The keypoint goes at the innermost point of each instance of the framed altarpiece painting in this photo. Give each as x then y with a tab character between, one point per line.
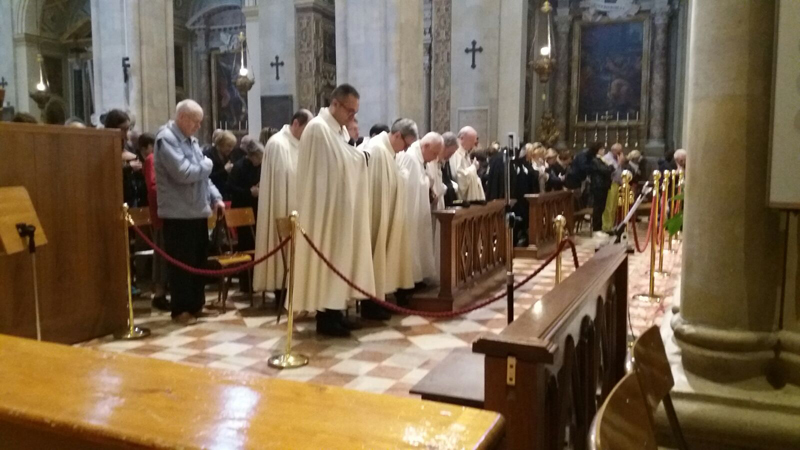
228	106
610	80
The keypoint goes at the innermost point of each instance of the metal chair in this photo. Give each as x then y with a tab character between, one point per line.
652	369
622	422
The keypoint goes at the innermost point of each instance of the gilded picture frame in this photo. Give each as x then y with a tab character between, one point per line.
608	78
228	107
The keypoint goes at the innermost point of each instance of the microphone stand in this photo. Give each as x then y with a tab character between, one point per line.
26	230
511	219
619	231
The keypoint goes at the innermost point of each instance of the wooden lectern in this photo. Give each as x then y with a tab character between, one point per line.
20	228
74	179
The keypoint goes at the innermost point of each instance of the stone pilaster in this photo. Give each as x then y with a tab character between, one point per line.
440	84
513	55
108	49
563	23
203	73
382	45
658	82
253	37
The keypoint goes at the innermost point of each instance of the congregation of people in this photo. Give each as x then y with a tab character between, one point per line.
366	202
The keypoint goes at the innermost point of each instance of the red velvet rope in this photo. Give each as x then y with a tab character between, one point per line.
208	272
649	228
443	314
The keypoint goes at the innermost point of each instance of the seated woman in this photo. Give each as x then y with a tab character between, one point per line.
243	188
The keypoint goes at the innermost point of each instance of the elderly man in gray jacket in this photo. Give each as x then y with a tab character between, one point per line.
186	197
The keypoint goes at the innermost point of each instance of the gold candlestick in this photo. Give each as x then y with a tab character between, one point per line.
575	134
636	128
605	119
596	125
627	128
616	126
585	131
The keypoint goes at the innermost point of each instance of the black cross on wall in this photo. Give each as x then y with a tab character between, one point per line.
473	50
277	65
3	83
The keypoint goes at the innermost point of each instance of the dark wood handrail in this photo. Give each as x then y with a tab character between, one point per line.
563	353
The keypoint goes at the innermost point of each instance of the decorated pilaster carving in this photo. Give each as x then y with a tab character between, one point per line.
563	22
658	81
440	85
315	53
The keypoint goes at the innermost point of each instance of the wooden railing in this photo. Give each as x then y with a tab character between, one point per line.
472	250
542	211
551	368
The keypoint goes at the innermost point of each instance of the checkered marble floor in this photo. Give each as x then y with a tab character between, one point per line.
382	357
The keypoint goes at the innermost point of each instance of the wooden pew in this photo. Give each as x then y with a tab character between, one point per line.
544	371
74	178
472	249
62	397
542	211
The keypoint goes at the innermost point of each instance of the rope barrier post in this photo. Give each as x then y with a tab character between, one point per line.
679	203
651	295
627	200
662	224
132	332
559	224
511	219
289	360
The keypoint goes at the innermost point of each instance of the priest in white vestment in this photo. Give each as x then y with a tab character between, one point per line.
391	256
470	187
439	191
418	203
333	203
276	199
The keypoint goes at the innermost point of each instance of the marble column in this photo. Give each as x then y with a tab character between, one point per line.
203	73
658	83
278	39
152	73
26	73
513	54
563	23
7	71
440	65
733	249
253	36
379	51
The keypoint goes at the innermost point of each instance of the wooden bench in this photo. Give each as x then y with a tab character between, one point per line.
55	396
549	370
542	211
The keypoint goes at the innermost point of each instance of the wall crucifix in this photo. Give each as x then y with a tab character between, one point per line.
277	65
473	50
3	83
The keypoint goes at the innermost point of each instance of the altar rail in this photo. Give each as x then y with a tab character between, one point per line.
549	370
543	209
97	400
472	250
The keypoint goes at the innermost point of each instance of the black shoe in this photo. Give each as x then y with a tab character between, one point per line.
350	324
161	303
403	297
329	324
372	311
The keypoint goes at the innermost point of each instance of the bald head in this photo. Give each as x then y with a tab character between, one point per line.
468	138
188	117
432	146
450	145
680	158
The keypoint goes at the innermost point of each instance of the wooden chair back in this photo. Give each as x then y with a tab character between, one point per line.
622	422
240	217
652	368
141	216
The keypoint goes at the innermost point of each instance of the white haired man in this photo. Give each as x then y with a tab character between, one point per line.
186	197
470	187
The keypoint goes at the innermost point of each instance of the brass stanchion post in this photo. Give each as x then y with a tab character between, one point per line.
626	193
132	332
661	225
289	360
560	223
678	236
651	295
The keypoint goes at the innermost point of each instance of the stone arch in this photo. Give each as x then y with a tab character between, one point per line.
205	8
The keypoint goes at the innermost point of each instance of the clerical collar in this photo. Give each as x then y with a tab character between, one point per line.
330	120
288	132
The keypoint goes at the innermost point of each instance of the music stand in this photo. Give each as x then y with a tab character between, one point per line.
19	226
